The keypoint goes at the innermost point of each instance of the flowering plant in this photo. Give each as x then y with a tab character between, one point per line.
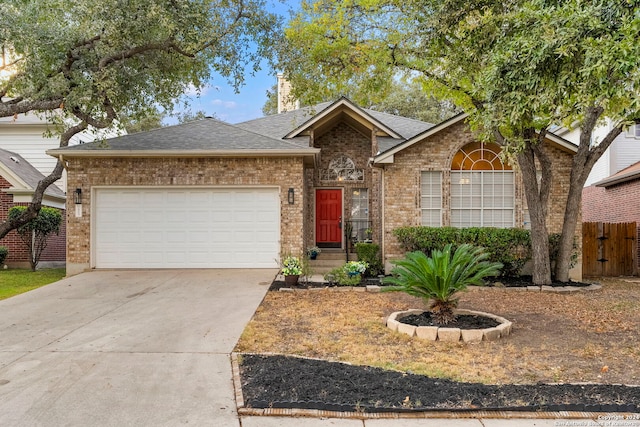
291	266
313	250
356	267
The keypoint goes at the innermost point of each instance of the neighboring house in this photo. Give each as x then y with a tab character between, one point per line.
18	180
25	136
209	194
614	199
623	151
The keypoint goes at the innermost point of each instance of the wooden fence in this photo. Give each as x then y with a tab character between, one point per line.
609	249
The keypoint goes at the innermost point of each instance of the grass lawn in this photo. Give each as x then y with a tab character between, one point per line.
14	282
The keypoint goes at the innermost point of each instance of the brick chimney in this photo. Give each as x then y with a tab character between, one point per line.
285	99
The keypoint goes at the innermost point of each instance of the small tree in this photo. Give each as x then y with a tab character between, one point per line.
439	277
35	234
3	254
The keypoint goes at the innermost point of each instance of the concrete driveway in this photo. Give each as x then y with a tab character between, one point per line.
126	348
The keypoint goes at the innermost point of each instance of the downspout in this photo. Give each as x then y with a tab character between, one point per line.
382	232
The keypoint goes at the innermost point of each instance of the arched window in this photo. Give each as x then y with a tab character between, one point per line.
482	188
342	168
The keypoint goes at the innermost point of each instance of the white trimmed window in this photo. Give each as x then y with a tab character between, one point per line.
482	188
431	198
360	213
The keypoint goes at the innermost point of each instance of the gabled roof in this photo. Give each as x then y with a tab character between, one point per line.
289	125
627	174
343	105
202	138
23	177
387	156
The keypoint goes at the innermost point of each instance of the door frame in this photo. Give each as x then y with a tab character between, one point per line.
315	198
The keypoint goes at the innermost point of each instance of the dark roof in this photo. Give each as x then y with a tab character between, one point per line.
264	134
279	125
200	135
26	172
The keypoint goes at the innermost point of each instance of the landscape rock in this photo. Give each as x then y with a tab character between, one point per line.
449	334
472	335
427	332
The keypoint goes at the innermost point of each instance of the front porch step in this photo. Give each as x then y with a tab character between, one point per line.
327	261
333	254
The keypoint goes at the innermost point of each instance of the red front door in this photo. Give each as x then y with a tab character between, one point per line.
329	218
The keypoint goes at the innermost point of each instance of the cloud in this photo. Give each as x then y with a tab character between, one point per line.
225	104
191	90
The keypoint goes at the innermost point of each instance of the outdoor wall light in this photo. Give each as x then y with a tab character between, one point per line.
77	196
291	197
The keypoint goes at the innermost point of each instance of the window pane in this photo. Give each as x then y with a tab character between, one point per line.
431	198
482	199
360	204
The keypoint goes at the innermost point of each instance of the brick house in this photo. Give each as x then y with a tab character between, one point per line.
18	180
619	193
209	194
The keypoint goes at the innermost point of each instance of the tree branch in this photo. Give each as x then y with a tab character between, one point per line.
165	45
36	202
8	109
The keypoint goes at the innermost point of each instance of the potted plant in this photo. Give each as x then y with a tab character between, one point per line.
291	270
369	233
354	268
313	252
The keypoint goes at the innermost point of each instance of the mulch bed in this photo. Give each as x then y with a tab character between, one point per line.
290	382
508	282
463	321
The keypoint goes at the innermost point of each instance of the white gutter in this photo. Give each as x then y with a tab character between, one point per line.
188	153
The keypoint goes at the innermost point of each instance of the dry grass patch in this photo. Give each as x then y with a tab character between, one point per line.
580	337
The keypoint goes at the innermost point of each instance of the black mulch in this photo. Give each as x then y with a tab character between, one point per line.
515	282
290	382
463	321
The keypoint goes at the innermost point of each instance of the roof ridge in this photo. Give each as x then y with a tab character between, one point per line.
399	116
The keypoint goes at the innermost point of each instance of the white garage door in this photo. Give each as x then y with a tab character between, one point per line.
186	228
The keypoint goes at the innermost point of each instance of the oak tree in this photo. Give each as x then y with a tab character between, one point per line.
82	63
518	68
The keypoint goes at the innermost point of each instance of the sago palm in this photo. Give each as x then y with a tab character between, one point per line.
439	277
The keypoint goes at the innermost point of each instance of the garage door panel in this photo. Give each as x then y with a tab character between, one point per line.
186	228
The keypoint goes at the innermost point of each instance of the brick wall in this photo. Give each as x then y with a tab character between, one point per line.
618	203
342	139
402	184
87	173
18	254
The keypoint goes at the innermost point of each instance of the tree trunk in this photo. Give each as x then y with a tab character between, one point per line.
582	165
537	195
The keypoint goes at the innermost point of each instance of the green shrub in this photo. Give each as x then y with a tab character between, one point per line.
35	233
509	246
438	278
3	254
340	275
370	253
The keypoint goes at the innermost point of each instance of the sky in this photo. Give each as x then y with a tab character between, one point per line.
219	99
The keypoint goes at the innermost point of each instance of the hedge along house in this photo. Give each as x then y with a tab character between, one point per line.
207	194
